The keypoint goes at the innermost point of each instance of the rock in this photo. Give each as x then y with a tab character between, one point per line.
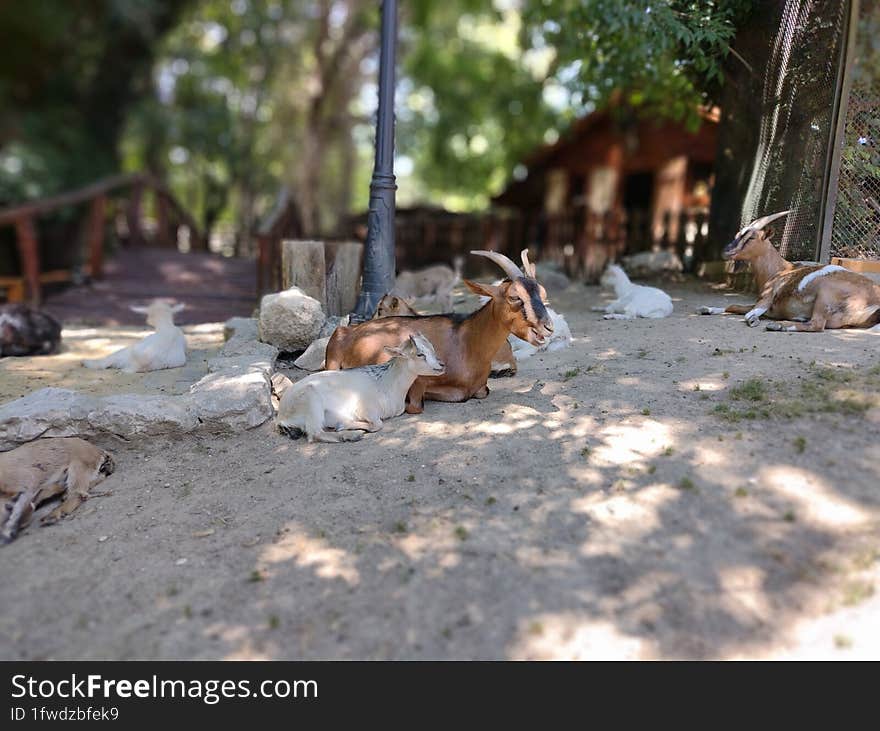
244	327
290	320
313	358
330	324
236	394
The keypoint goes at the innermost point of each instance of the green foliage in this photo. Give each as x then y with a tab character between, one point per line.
664	56
68	75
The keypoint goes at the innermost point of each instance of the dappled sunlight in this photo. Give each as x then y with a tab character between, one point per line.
744	585
633	514
571	636
295	546
815	500
622	444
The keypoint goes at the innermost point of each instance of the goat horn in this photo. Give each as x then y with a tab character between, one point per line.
510	269
528	267
760	223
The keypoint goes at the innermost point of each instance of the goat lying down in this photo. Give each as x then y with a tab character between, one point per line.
521	349
503	362
27	331
466	344
64	468
165	348
633	300
431	285
357	400
803	298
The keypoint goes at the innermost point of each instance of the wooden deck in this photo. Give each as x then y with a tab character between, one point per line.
214	288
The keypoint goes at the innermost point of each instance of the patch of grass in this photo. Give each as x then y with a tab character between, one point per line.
800	444
652	468
725	375
686	483
789	516
256	576
642	353
461	533
410	478
668	452
741	492
490	500
586	452
753	389
569	374
856	592
274	622
188	612
823	390
842	642
536	628
696	387
400	527
646	412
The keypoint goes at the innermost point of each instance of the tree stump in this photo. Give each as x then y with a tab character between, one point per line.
302	265
343	260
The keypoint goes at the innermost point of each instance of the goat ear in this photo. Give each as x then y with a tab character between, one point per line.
393	351
487	290
139	310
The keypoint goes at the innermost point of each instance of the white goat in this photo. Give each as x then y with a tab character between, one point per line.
432	285
633	300
165	348
355	400
561	338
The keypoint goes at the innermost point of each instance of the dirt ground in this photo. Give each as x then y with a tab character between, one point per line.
639	495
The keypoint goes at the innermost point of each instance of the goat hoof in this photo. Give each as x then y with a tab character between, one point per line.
775	326
705	310
753	321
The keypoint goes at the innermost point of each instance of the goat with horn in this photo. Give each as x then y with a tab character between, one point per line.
466	344
799	298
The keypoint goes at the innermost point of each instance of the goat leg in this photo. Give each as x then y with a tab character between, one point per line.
729	310
20	508
415	397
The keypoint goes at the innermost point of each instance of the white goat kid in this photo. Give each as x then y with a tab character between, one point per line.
633	300
165	348
559	339
355	400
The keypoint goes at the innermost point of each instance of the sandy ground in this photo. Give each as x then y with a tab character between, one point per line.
19	376
610	501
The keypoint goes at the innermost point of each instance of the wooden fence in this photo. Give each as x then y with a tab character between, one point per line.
96	198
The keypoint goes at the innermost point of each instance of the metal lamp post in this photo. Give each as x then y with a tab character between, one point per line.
379	260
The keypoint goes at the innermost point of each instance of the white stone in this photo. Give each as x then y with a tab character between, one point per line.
236	394
290	320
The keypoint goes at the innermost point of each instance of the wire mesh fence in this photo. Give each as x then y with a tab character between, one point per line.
855	232
779	121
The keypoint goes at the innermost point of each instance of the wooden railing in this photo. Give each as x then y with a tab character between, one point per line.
170	216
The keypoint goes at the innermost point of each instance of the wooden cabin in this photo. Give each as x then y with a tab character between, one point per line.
612	186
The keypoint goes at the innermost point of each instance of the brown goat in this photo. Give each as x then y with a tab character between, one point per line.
814	297
503	362
466	344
